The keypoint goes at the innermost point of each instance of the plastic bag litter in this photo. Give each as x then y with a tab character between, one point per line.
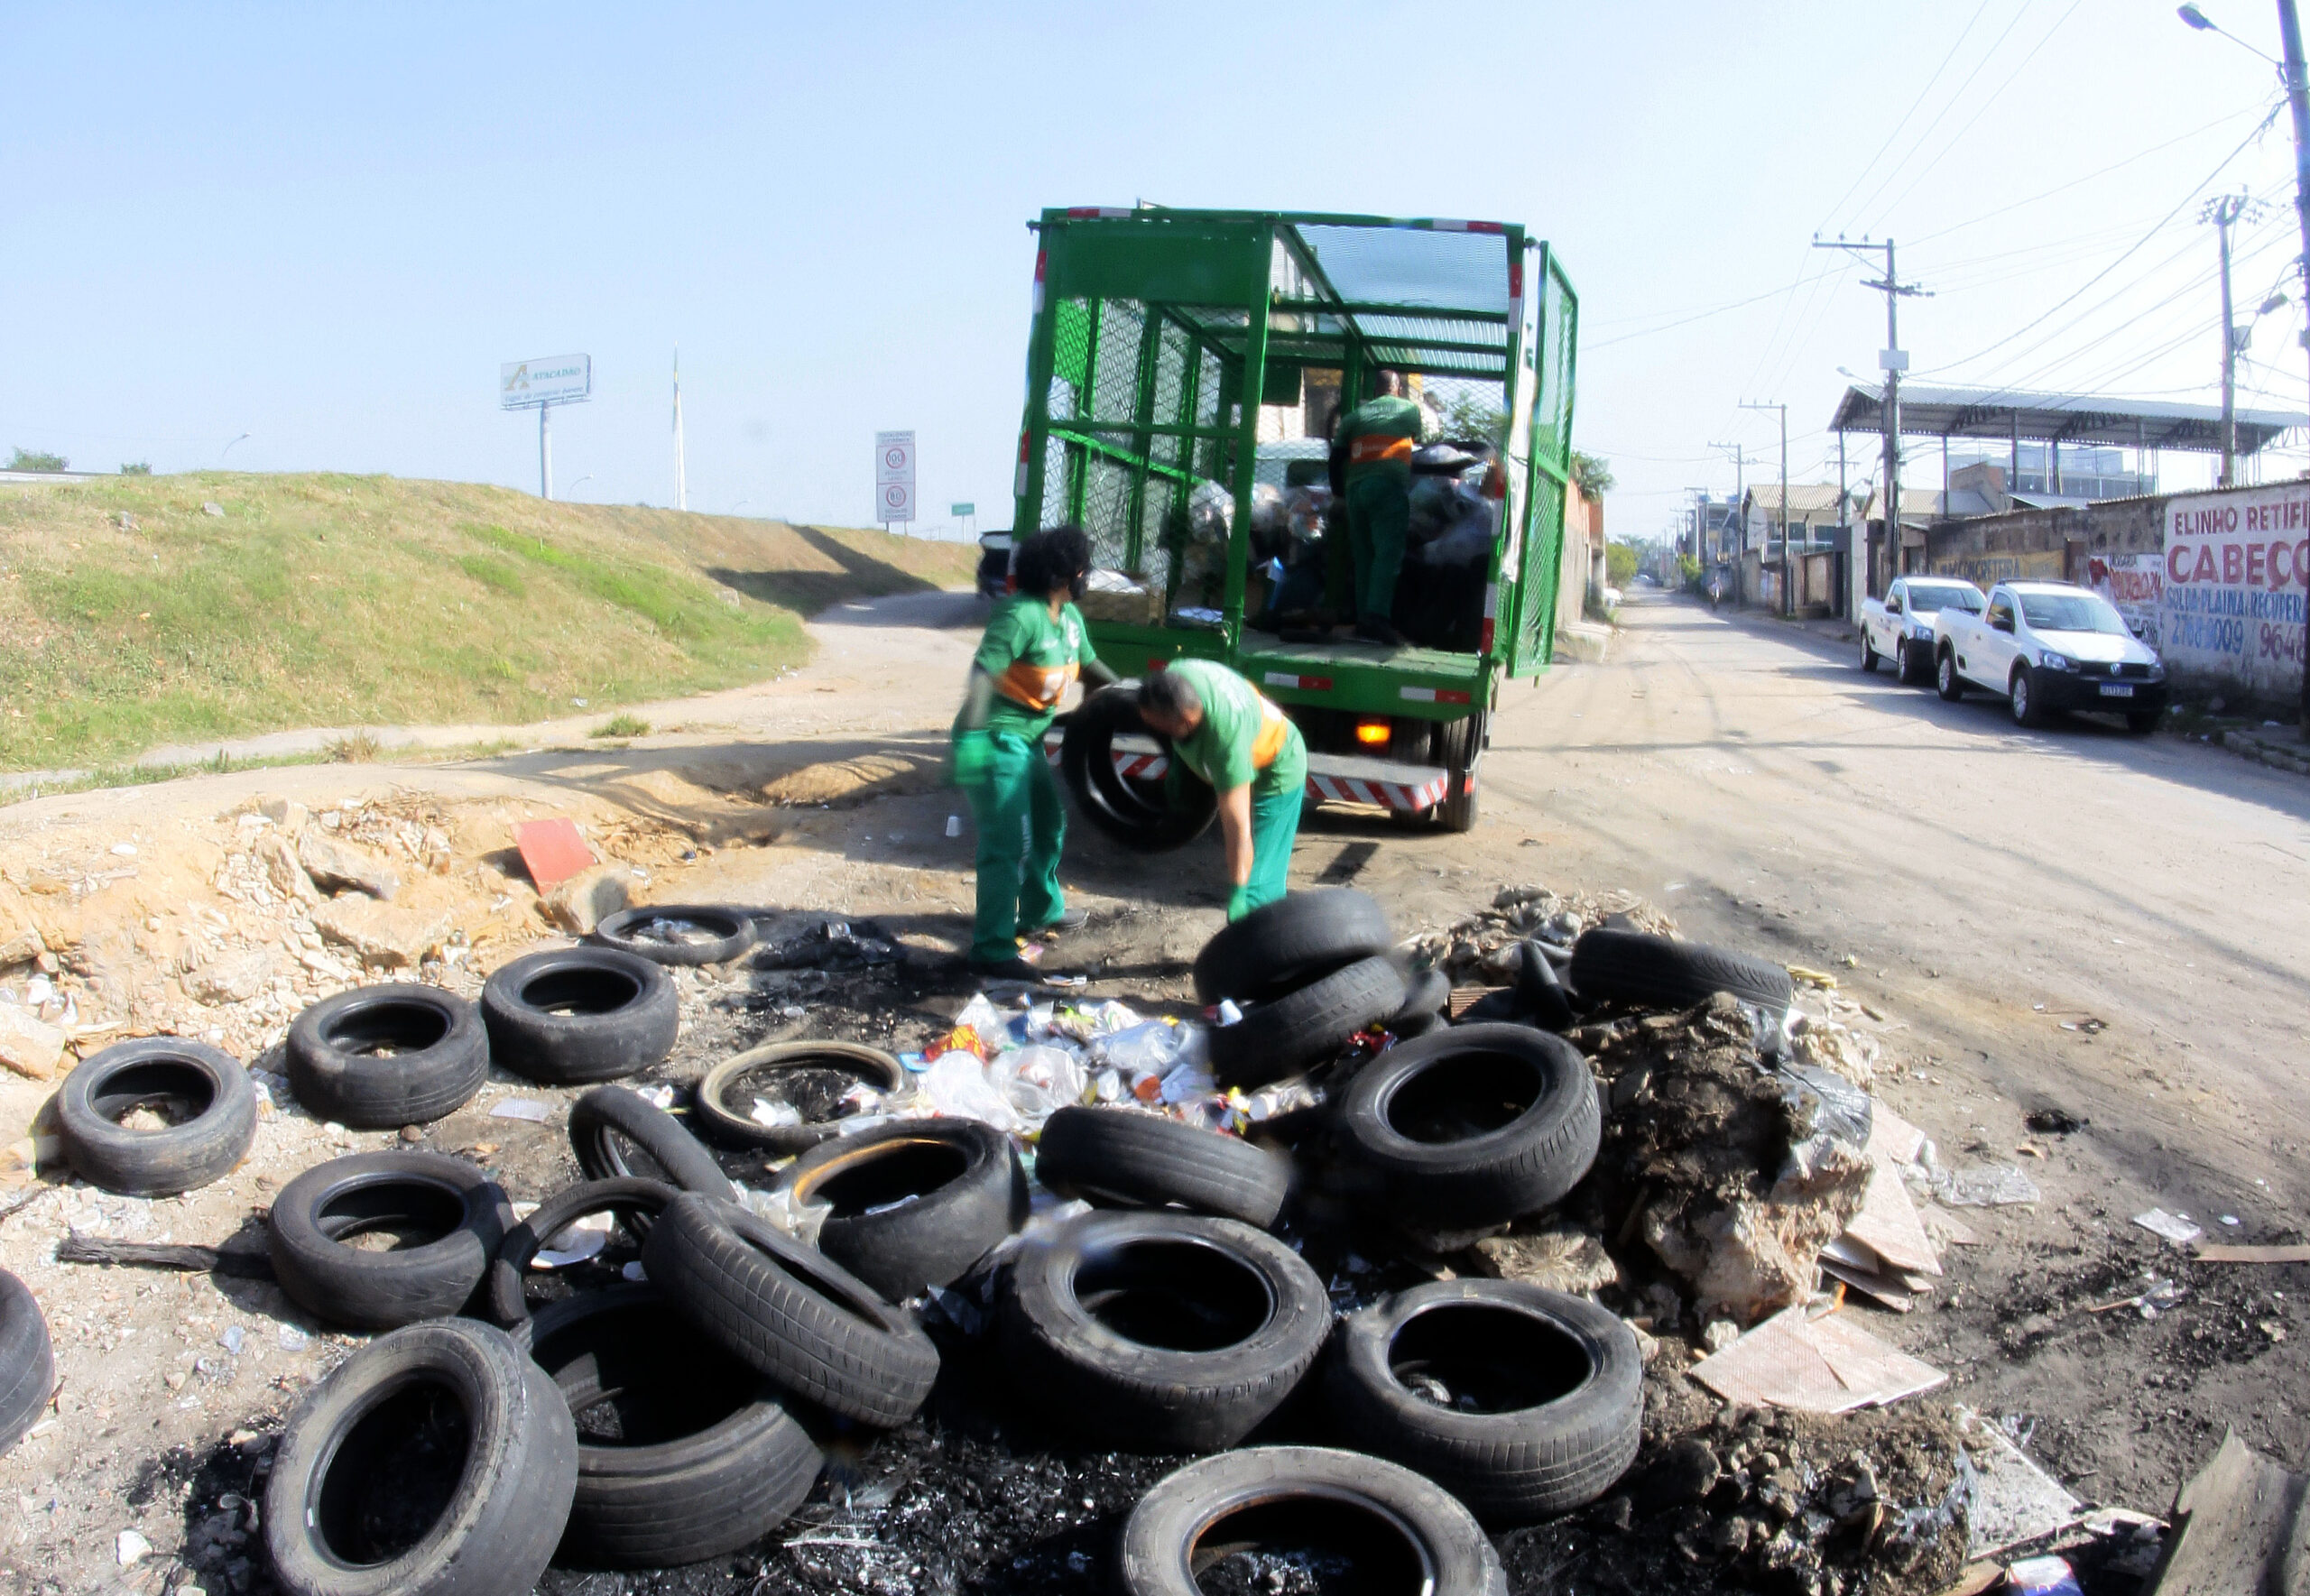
956	1083
1086	1022
1841	1114
1153	1047
1038	1081
1986	1186
2176	1228
774	1116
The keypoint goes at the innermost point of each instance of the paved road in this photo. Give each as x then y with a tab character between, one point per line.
1751	778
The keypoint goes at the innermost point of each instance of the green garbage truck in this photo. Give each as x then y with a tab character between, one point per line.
1185	372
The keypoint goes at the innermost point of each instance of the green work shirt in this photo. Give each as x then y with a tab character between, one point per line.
1381	434
1243	739
1032	657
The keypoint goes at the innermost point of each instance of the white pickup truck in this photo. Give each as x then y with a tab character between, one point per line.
2049	647
1899	626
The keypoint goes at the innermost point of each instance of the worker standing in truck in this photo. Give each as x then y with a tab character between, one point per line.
1034	648
1378	436
1223	730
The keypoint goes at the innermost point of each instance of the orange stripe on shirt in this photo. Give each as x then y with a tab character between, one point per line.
1270	741
1037	686
1370	449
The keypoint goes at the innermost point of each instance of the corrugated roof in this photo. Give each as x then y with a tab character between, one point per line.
2007	413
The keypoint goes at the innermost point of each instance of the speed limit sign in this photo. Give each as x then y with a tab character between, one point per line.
893	477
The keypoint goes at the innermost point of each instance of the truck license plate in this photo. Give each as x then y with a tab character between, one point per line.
2116	690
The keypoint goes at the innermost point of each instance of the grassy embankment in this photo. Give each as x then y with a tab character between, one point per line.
325	600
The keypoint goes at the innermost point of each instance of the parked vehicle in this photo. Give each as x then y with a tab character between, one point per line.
1899	626
994	566
2050	647
1183	368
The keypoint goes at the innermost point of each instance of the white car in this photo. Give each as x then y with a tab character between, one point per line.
1899	626
2049	647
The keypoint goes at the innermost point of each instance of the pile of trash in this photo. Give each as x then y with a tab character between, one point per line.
1484	949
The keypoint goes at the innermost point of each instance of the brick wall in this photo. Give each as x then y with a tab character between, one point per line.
2040	543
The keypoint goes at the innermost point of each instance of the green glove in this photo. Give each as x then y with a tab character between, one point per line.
974	759
1239	904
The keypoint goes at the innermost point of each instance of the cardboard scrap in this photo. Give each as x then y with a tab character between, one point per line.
2237	1526
552	851
2222	1252
2014	1501
1824	1365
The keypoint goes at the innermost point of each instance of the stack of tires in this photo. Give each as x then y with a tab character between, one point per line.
1308	974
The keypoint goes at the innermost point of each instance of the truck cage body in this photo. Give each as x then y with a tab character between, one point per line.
1179	354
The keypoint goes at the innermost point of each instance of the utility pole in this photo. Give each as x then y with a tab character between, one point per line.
1788	600
1893	360
545	453
2225	211
1740	481
2297	95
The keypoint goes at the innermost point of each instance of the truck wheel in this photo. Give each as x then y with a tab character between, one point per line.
1460	744
1867	654
1947	682
2027	708
1914	667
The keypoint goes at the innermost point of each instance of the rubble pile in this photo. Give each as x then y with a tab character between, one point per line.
1481	949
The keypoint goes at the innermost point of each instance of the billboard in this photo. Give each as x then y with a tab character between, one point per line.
893	477
2234	575
563	379
2135	586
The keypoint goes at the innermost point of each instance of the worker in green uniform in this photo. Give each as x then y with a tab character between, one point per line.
1035	646
1224	730
1378	436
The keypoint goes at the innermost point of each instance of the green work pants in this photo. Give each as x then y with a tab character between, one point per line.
1275	825
1021	826
1379	515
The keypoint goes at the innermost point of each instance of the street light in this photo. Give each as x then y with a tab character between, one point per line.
581	481
228	448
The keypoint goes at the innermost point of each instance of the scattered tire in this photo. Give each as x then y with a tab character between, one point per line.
1383	1526
437	1461
207	1095
1299	1029
1473	1126
1660	972
27	1360
1426	993
816	1330
844	1063
683	1452
708	935
378	1057
1287	944
1123	1157
577	1014
1534	1400
617	1133
1415	1022
449	1216
913	1204
628	1197
1161	1332
1539	991
1138	816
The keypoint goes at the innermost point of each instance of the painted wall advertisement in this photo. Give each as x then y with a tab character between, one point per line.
2234	575
2135	586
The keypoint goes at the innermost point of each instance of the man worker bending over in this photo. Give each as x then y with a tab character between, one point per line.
1378	436
1224	730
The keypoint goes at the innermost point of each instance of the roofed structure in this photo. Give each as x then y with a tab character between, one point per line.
2010	416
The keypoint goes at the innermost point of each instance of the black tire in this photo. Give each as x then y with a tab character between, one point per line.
617	1133
1396	1530
816	1330
1869	655
1556	1385
1460	744
1134	817
1915	663
461	1212
27	1361
1660	972
730	933
1415	1022
2022	698
573	1015
1945	679
1160	1332
212	1090
1425	992
717	1119
362	1460
2141	722
379	1057
1125	1158
1287	944
705	1460
628	1197
1539	991
1473	1126
913	1204
1302	1029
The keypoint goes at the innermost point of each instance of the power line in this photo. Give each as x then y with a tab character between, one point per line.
1948	106
1862	176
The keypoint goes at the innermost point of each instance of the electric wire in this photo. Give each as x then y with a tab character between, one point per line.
1948	106
1862	176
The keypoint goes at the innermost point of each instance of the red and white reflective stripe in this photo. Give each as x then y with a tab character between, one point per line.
1304	684
1381	795
1516	293
1105	212
1443	224
1041	258
1433	696
1019	480
1491	613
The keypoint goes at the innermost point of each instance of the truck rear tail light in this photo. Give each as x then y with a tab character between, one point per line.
1371	733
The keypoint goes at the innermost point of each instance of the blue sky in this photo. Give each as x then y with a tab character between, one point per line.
325	227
